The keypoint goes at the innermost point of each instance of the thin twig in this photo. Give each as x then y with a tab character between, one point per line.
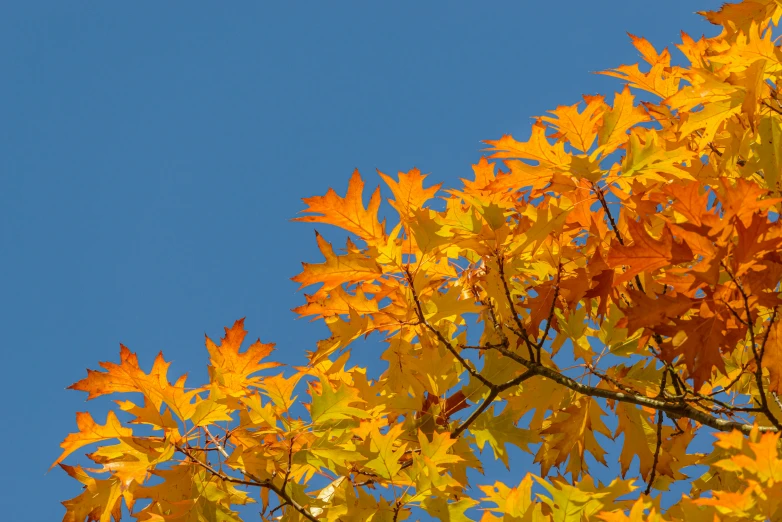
220	447
675	407
678	384
521	332
656	451
594	371
422	319
290	464
397	509
732	383
489	400
775	109
604	204
268	484
756	351
549	320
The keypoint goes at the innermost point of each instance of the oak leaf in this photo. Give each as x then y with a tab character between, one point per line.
577	128
232	369
91	432
352	267
348	212
621	267
618	120
101	500
646	253
409	192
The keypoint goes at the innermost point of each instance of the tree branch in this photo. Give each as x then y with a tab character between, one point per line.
757	352
678	384
268	484
422	319
656	451
659	437
216	442
539	344
489	400
677	407
521	332
604	204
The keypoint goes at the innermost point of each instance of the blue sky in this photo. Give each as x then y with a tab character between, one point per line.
152	154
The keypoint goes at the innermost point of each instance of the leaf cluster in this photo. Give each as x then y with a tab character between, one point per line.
624	261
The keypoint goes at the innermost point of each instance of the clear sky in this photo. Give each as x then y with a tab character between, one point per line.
152	154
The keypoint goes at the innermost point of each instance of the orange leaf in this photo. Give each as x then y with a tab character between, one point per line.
772	357
350	268
126	377
409	192
336	302
660	80
649	53
743	199
100	500
537	149
688	200
617	121
578	129
231	368
648	313
348	212
91	432
484	177
646	254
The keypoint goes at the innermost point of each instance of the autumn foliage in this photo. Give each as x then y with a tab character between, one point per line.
621	267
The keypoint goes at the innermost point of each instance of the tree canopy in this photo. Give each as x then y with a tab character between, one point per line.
621	267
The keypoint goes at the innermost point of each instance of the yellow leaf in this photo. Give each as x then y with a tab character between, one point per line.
511	502
570	434
280	390
710	117
209	412
331	404
439	450
448	511
584	499
386	463
498	430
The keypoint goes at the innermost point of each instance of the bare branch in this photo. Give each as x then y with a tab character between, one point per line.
422	319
